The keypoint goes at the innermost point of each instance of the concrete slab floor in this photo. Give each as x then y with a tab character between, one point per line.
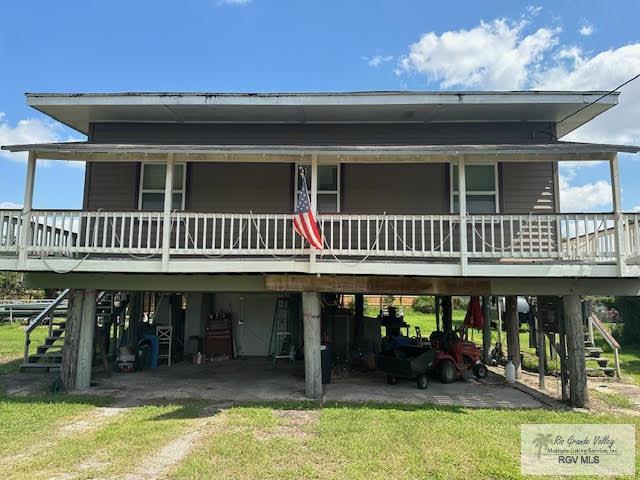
257	380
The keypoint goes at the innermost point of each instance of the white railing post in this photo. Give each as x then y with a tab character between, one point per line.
314	206
166	220
618	217
462	203
25	224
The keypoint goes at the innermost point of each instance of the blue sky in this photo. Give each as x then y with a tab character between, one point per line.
260	45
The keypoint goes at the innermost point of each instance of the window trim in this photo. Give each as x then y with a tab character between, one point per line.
495	192
182	191
337	192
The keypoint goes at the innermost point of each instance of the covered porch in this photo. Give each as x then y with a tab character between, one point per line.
448	243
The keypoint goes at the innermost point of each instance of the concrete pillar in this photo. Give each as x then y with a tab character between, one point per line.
85	346
574	331
512	324
312	339
486	330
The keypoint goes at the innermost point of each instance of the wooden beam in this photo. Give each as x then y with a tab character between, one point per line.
486	330
166	221
376	284
311	307
578	392
69	364
619	223
25	226
85	343
512	324
462	203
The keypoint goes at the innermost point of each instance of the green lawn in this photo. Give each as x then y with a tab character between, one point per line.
23	418
12	345
370	442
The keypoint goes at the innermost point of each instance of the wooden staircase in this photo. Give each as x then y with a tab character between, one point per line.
48	356
596	364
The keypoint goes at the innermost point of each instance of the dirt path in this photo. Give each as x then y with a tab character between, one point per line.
90	420
158	464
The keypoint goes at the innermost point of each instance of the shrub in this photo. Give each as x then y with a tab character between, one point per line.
424	304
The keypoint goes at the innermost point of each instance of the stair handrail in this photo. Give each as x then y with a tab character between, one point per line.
613	343
38	319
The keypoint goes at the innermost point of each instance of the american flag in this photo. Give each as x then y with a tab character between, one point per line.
304	222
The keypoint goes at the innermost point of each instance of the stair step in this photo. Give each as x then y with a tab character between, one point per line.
40	366
593	351
600	360
588	343
48	348
609	371
52	355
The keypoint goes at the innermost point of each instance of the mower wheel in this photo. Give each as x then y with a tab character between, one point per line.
447	371
423	381
392	380
480	370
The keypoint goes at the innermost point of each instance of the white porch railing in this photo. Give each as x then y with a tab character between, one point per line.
584	238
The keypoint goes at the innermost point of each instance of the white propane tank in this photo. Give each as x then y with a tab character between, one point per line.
510	372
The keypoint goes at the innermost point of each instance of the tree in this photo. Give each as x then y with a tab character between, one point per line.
12	286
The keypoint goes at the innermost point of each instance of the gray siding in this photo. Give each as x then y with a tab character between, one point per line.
410	188
320	134
528	188
111	186
240	188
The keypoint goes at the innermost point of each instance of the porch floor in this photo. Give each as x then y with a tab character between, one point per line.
257	380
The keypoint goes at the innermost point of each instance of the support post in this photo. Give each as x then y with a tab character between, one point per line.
166	220
578	393
462	203
542	351
513	332
562	352
447	314
85	346
25	225
312	339
486	330
314	206
618	216
71	339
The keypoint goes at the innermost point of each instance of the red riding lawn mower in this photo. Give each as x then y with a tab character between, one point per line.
454	357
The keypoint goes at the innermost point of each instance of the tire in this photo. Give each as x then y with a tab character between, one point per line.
480	370
391	380
422	381
447	371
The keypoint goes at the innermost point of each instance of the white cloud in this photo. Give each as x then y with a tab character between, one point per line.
501	55
9	205
586	29
603	71
240	3
589	197
533	10
494	55
377	60
31	130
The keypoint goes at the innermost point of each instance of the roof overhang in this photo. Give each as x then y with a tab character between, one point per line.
78	110
95	152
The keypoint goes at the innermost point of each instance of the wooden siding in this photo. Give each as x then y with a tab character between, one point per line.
528	188
240	188
111	186
320	134
410	188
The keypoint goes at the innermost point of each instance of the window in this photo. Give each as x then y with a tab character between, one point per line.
152	178
328	186
481	184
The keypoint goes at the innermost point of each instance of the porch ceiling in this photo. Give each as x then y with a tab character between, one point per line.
96	152
78	110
